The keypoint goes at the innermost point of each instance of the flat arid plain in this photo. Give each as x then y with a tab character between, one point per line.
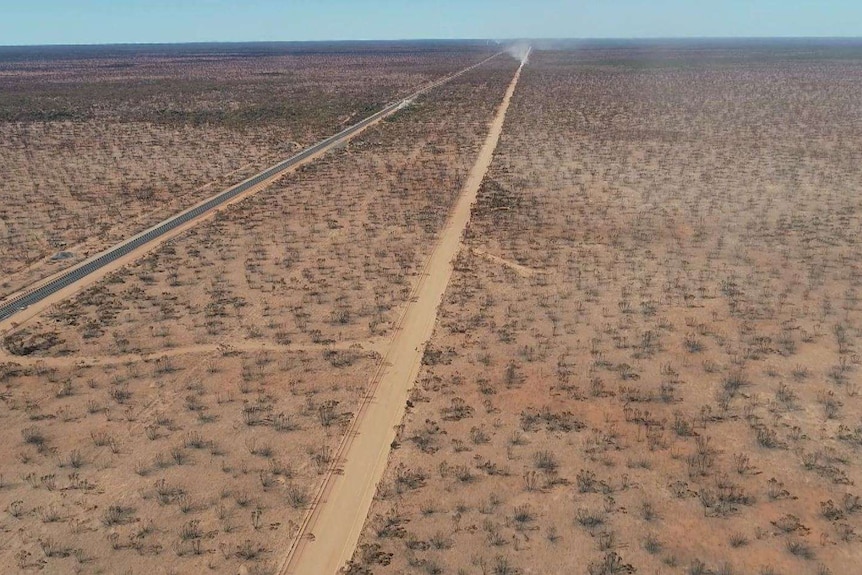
579	308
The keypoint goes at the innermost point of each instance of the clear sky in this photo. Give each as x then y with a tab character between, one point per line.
118	21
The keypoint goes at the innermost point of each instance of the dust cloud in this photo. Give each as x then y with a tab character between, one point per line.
519	51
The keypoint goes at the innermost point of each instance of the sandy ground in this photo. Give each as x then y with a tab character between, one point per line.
234	346
521	270
678	391
328	536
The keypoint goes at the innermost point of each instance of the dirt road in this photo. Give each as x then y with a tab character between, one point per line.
519	269
329	534
230	346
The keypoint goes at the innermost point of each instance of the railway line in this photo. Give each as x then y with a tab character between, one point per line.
151	237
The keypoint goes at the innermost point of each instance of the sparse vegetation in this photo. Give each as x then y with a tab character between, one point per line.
239	351
655	324
646	359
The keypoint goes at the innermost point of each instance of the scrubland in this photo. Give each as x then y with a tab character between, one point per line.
647	359
176	416
103	142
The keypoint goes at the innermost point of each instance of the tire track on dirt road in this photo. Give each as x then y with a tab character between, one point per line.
227	347
328	535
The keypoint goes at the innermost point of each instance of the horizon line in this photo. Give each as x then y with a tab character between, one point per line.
395	40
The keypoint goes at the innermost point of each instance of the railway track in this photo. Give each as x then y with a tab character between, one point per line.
33	295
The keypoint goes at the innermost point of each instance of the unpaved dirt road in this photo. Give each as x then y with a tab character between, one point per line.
226	348
330	531
519	269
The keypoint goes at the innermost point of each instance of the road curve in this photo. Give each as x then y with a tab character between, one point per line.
330	531
149	238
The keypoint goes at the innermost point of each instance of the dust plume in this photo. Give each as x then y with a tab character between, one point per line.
519	51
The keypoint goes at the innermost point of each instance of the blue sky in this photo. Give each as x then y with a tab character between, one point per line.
108	21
